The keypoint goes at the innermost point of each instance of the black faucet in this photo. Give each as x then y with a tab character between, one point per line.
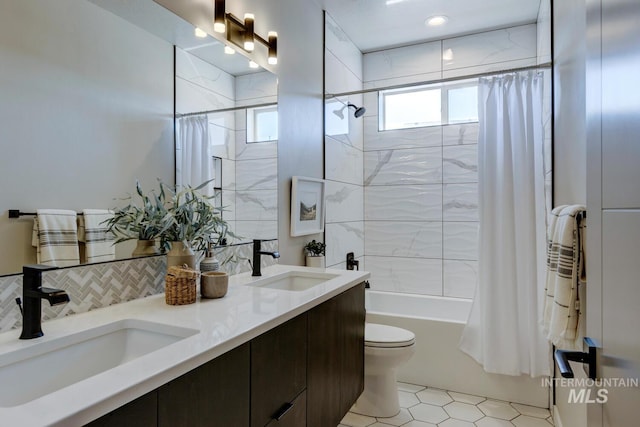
256	257
32	293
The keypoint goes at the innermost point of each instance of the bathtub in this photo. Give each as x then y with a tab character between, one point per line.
437	323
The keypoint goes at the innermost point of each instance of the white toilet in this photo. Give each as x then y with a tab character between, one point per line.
385	349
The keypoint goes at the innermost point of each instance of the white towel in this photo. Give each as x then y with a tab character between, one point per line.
93	231
565	272
55	236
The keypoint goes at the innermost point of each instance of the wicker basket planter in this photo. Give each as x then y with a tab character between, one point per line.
180	285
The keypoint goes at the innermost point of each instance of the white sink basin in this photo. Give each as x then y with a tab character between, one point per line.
293	281
32	372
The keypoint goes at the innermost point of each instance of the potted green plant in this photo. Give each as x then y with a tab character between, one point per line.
145	221
193	223
315	253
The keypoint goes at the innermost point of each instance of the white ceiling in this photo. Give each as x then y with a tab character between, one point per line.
157	20
377	24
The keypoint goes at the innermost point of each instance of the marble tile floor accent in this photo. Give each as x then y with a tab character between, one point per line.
429	407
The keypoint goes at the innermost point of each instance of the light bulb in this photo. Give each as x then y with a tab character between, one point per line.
200	33
249	44
273	48
435	21
219	25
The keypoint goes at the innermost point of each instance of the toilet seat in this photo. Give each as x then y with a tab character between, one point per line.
384	336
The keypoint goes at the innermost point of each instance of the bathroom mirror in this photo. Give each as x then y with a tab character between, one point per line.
87	109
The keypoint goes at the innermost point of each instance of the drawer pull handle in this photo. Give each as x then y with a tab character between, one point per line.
282	411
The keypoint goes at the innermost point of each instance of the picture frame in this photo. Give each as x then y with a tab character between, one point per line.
307	205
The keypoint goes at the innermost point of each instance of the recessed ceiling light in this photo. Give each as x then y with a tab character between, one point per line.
229	50
437	20
200	33
253	64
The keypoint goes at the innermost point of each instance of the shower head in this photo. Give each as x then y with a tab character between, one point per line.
359	110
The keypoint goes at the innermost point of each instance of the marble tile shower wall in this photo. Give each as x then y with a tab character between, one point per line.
256	196
202	87
101	285
420	185
249	170
344	226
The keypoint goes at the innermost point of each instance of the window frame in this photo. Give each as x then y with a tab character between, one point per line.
444	102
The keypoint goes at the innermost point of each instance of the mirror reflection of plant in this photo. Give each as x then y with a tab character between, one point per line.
144	222
193	218
186	216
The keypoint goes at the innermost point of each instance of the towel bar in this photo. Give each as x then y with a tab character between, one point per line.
562	358
15	213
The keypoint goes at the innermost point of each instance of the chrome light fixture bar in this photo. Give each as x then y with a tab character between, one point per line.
241	33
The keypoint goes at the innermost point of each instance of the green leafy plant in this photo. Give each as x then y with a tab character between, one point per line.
193	218
314	248
186	216
145	220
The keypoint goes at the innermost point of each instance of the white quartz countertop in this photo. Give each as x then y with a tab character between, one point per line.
221	325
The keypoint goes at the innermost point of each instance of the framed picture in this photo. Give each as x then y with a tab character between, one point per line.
307	206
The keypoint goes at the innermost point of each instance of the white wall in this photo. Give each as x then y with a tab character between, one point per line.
569	55
86	109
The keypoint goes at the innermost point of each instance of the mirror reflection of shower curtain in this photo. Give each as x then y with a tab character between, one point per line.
503	332
195	164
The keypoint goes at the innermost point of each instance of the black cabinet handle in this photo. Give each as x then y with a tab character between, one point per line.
282	411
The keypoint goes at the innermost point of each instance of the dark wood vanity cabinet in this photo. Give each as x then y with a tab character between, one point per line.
307	371
278	372
335	376
215	394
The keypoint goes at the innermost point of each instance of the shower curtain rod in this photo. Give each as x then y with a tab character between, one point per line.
445	80
224	110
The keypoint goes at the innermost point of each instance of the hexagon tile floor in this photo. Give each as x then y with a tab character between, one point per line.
430	407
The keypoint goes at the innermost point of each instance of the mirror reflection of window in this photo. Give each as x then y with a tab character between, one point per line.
262	124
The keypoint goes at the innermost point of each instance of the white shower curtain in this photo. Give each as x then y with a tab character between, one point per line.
195	162
503	332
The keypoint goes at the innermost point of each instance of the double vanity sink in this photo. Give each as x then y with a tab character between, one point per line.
91	363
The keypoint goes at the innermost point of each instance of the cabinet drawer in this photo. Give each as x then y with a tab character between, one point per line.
278	368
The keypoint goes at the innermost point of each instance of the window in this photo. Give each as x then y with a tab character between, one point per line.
262	124
428	105
410	108
462	104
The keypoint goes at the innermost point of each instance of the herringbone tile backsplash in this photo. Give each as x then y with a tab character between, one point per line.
100	285
89	287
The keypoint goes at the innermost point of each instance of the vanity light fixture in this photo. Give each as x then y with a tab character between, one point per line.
219	21
249	43
200	33
273	47
229	50
241	33
436	21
